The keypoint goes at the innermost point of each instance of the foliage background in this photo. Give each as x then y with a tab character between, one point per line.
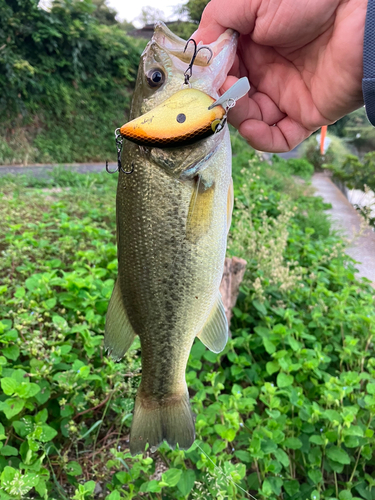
65	81
66	78
285	412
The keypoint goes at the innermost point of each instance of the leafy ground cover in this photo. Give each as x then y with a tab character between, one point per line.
285	412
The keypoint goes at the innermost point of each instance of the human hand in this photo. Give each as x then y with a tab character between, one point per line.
303	59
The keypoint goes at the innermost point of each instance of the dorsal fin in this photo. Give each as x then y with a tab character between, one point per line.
214	334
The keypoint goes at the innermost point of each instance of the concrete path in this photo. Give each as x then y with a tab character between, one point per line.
345	219
294	153
42	170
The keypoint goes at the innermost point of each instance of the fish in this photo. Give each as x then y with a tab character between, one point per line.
172	214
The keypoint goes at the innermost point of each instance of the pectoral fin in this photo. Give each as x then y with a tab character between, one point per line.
119	334
200	210
215	332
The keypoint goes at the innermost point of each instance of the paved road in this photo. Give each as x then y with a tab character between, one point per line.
346	220
42	170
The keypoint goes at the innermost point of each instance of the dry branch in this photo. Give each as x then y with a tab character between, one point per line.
234	270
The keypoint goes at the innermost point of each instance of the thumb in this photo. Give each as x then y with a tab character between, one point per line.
217	17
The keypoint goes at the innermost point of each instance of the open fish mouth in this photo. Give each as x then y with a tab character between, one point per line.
175	122
164	62
210	66
179	111
177	46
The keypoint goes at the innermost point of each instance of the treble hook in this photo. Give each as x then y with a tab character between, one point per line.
189	72
119	140
117	169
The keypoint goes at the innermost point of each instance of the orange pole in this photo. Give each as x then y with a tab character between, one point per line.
323	134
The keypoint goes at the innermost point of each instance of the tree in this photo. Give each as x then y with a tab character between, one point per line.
150	15
194	9
126	26
103	13
192	12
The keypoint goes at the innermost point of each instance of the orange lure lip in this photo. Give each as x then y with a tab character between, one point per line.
180	120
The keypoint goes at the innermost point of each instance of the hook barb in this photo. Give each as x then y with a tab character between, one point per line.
108	170
209	50
128	172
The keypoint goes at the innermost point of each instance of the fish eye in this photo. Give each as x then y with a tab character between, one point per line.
155	77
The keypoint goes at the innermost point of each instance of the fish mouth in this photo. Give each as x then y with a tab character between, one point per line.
210	66
175	45
163	114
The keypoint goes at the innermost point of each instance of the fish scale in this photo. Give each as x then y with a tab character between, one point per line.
172	222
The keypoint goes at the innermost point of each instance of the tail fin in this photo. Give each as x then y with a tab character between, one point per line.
170	419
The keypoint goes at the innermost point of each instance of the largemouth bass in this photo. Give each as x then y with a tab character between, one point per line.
173	215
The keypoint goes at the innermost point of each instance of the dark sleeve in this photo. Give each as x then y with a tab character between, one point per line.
368	82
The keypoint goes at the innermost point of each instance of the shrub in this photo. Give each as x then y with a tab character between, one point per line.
356	174
294	166
64	82
336	152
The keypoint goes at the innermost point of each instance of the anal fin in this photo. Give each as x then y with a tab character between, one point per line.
214	334
119	333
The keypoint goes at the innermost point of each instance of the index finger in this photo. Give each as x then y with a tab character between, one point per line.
217	17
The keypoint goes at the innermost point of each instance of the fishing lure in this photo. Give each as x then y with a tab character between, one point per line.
186	117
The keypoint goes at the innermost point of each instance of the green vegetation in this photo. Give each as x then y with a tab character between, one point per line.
335	155
64	81
357	130
192	10
66	78
356	174
286	411
294	166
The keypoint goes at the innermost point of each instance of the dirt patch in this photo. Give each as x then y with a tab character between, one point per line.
53	190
